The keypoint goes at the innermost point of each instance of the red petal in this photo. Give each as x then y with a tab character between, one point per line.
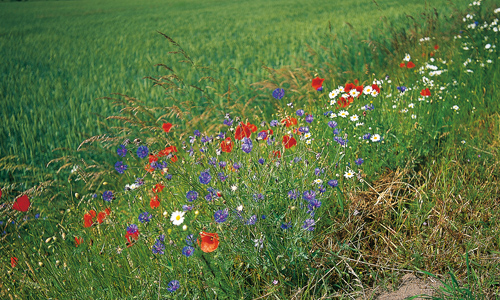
13	261
402	65
167	127
317	83
22	203
410	65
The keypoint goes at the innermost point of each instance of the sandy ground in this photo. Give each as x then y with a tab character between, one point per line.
410	286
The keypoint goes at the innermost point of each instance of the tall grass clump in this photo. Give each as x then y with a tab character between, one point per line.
346	183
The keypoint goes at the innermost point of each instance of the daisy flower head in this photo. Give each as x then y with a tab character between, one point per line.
309	142
354	118
407	57
354	93
368	90
318	181
307	135
177	217
375	138
349	174
374	93
333	94
455	107
413	116
343	113
333	115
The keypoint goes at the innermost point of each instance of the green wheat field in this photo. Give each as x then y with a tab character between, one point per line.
248	149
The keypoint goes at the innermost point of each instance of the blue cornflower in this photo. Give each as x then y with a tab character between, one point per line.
309	224
264	217
222	164
228	122
278	93
190	240
309	195
304	129
318	171
107	196
161	237
122	151
341	141
197	133
37	216
333	183
262	135
313	204
220	216
221	135
206	139
173	286
367	136
222	177
369	107
212	161
139	181
293	194
258	197
273	123
208	197
120	167
94	196
300	112
336	131
205	177
332	124
187	207
321	189
359	161
187	251
286	226
145	217
402	89
252	220
191	196
247	145
309	118
327	113
132	229
237	166
297	159
261	161
168	176
158	248
192	139
142	151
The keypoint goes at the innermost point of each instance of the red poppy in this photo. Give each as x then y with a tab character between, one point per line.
317	83
348	87
167	151
410	65
436	47
152	158
158	188
359	88
148	168
78	241
425	92
277	153
226	145
402	65
174	158
209	241
13	261
166	127
252	127
22	203
289	121
155	202
107	211
356	81
345	102
431	54
92	213
375	87
87	220
131	238
101	216
0	193
242	131
289	142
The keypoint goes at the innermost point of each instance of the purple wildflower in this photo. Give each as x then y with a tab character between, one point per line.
293	194
220	216
205	177
309	195
173	286
222	164
187	251
120	167
252	220
286	226
300	112
145	217
132	229
273	123
247	145
261	161
332	124
309	224
158	248
122	151
333	183
107	196
309	118
278	94
228	122
142	151
197	133
187	207
359	161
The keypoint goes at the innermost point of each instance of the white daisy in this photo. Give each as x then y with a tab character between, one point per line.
333	115
354	93
333	94
177	217
455	107
309	142
332	102
367	90
375	138
360	124
413	116
343	113
354	118
318	181
374	93
407	57
307	135
349	174
411	105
